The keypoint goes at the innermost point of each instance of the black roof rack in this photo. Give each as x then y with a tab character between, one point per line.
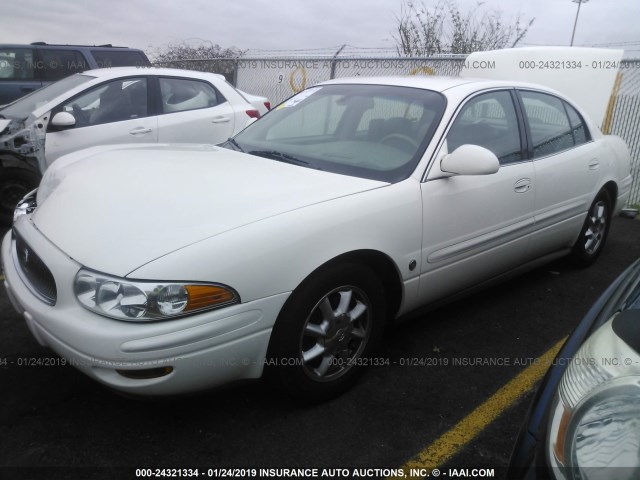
106	45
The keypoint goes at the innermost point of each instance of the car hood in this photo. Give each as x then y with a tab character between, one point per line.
116	209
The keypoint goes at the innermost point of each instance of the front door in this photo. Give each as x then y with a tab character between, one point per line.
477	226
110	113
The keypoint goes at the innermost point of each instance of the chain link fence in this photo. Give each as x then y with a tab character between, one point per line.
279	78
625	121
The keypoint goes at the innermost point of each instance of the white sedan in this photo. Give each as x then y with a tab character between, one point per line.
161	269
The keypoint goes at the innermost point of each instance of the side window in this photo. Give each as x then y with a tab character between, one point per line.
115	101
580	133
179	95
17	64
488	120
119	58
61	63
550	128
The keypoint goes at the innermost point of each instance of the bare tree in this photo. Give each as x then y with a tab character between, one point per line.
443	28
203	56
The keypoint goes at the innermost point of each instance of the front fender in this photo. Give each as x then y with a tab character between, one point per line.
276	254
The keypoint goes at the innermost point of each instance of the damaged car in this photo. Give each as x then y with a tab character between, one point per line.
115	106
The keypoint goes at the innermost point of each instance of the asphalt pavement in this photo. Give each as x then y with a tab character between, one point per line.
57	423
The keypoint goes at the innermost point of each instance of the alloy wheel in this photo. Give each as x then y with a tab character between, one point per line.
336	333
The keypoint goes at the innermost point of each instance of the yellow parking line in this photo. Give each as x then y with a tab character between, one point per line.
449	444
1	277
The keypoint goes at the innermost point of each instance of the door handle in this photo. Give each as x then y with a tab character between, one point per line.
220	119
139	131
27	89
523	185
594	164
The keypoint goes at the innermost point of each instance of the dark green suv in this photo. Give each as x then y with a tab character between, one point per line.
25	68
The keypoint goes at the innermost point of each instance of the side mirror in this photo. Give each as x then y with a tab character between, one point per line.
470	160
63	120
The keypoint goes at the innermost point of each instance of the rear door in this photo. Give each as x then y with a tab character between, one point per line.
567	165
193	111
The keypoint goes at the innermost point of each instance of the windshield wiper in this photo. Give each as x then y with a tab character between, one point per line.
235	144
279	156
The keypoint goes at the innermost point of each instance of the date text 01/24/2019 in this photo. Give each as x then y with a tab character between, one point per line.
575	65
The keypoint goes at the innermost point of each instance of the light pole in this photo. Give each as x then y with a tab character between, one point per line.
579	2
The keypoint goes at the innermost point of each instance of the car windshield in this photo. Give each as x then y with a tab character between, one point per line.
22	108
370	131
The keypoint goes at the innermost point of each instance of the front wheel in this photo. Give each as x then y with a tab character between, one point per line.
327	329
594	231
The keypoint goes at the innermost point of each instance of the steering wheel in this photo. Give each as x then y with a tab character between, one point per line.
400	141
79	114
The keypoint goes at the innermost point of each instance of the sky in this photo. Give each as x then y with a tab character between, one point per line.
290	25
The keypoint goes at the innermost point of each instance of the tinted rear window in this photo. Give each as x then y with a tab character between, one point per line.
119	58
61	63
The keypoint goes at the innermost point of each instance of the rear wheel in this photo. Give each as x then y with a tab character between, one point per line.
15	183
325	332
594	231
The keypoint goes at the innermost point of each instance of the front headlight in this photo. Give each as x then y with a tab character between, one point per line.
26	205
140	301
594	429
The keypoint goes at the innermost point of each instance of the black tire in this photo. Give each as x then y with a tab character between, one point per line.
594	232
15	183
317	352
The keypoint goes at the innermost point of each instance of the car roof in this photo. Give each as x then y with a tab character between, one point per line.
114	72
62	46
436	83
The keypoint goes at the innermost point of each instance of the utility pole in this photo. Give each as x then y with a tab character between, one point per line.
579	2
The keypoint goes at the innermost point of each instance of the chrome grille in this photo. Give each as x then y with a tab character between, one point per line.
34	272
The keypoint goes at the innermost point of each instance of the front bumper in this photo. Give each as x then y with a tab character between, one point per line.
203	351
